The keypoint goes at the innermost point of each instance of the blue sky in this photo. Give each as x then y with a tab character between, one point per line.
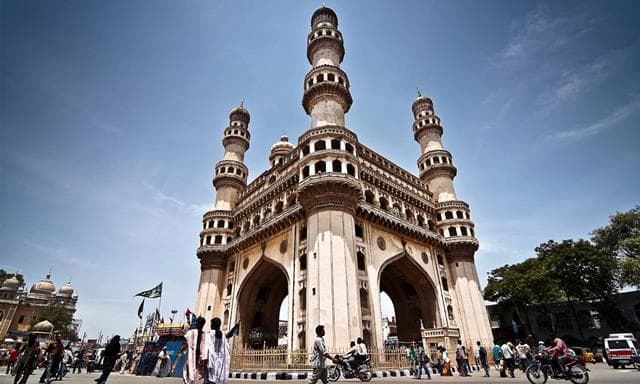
112	115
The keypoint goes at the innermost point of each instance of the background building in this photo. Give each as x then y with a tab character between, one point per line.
332	224
577	323
19	306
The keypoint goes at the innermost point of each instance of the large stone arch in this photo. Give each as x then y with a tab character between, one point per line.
413	294
258	304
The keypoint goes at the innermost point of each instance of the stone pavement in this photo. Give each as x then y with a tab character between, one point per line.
599	373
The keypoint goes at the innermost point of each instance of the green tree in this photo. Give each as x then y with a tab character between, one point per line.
60	318
522	285
4	276
621	238
584	273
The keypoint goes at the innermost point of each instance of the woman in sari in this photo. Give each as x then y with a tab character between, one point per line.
219	358
446	363
197	354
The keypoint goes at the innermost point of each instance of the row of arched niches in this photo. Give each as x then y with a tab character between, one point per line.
327	150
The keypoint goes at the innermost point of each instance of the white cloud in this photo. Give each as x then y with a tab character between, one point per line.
612	119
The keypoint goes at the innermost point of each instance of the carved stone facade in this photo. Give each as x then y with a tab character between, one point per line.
19	306
332	224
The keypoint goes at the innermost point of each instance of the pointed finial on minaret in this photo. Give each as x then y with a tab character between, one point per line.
242	102
49	274
418	89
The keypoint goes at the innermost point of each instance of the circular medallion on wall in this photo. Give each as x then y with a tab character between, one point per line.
283	246
245	263
381	243
409	249
425	257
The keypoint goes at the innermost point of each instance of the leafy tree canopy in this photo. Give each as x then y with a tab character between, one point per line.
4	276
621	238
582	270
522	284
60	318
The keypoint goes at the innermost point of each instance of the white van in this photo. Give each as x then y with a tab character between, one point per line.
621	349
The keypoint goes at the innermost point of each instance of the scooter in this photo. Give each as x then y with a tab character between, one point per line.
362	371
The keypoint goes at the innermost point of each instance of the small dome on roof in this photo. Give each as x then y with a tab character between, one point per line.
420	102
11	283
66	290
324	14
43	286
42	327
282	144
240	113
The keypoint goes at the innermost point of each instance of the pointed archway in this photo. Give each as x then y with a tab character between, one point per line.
413	296
259	302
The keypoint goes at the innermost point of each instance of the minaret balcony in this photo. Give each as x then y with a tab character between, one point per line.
335	43
326	90
330	190
236	135
438	170
323	32
426	129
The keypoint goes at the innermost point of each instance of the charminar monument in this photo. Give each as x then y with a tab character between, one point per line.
332	224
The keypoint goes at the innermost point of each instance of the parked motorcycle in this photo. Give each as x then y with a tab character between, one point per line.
544	366
362	371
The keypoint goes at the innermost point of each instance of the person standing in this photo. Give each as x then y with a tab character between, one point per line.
318	358
111	353
524	350
163	363
219	357
197	353
482	359
412	360
13	357
460	357
27	360
77	361
446	363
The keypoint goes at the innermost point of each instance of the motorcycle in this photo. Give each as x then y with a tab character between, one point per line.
544	366
362	371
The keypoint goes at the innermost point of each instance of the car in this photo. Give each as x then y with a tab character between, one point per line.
621	349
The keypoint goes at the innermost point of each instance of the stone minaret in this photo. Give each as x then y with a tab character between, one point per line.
454	223
329	190
229	180
326	87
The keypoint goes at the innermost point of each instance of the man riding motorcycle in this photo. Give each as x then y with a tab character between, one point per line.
561	352
349	358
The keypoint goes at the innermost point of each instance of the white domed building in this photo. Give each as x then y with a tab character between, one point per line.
19	305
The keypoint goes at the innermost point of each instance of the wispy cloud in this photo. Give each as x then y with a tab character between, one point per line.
186	207
539	31
616	116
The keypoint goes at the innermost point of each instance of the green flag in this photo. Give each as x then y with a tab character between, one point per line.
140	309
152	293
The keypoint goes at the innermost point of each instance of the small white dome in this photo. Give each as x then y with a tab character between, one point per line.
44	286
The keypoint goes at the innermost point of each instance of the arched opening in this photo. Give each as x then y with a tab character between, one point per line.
278	208
365	308
335	144
452	231
305	171
448	215
305	150
421	220
225	318
320	167
302	300
445	285
259	303
291	200
351	170
431	225
369	197
336	166
348	147
359	231
384	203
361	261
319	145
412	295
302	339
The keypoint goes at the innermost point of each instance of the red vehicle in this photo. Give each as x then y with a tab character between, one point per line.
621	349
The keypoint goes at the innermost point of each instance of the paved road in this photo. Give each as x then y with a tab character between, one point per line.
599	374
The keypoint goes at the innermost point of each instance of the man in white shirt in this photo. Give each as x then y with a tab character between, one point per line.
508	356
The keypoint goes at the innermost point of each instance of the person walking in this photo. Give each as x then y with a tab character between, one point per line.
219	357
482	359
13	357
524	351
318	358
163	363
460	357
111	353
421	359
508	356
446	363
27	360
496	351
55	353
77	361
197	353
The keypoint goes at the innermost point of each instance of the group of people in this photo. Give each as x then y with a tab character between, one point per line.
418	361
509	356
208	356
